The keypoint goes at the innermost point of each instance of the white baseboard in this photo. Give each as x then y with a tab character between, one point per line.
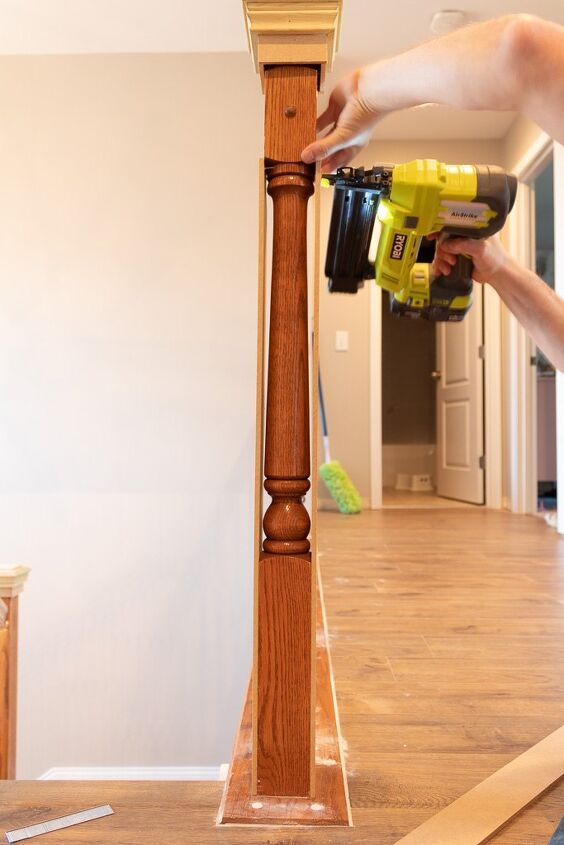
407	459
136	773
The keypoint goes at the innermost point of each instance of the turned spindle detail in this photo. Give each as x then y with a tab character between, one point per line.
287	463
283	680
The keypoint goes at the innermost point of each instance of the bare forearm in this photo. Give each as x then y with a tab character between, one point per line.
513	63
537	307
455	70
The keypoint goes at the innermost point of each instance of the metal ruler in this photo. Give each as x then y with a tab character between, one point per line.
57	824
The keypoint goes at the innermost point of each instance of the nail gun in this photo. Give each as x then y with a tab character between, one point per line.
412	201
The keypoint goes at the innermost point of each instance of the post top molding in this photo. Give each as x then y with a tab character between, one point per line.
12	580
293	32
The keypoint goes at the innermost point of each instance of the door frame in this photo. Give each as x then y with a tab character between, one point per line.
521	392
375	403
558	158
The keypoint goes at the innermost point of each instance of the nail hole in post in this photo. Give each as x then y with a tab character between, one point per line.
290	111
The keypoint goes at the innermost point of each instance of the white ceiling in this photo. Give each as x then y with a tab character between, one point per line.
370	30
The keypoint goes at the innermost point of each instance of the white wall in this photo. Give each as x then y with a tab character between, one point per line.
127	341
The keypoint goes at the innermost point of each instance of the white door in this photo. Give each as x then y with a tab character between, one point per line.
460	407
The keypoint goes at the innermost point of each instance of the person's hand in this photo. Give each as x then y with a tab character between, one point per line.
488	256
352	120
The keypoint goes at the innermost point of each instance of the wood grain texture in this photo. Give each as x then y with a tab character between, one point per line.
458	597
329	803
259	428
446	631
477	815
284	622
284	677
287	448
290	112
8	689
316	586
290	103
4	706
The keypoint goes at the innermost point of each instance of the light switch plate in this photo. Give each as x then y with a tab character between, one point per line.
342	341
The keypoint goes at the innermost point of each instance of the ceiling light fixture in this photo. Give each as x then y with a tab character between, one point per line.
447	21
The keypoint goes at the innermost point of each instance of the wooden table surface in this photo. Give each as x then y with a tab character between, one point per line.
447	632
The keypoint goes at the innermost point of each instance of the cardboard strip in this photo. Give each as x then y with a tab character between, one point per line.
481	812
314	434
259	436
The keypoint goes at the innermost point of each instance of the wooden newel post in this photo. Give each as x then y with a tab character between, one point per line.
284	683
276	776
11	584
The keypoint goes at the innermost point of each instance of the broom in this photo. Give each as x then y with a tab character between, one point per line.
336	480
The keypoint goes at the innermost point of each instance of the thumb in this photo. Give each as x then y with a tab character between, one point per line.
331	143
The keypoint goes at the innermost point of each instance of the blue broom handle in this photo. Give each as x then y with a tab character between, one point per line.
321	404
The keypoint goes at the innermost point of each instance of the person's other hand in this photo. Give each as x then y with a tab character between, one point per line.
488	256
352	120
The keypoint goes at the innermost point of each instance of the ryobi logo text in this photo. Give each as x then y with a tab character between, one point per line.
398	246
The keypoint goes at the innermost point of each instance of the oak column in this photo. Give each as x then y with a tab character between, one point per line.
12	580
284	682
8	689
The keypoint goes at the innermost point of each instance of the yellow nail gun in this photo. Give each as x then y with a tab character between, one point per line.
412	201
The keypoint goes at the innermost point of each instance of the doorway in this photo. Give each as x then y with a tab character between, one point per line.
432	410
408	408
543	217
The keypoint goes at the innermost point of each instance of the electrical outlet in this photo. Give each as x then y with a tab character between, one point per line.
342	341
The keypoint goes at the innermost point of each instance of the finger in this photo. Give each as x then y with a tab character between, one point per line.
443	268
340	158
443	255
458	245
328	117
351	128
325	147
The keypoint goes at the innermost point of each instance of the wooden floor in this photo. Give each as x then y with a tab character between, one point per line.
447	638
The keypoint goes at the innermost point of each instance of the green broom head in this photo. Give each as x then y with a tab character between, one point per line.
340	487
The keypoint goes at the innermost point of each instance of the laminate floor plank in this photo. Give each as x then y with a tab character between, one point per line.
447	638
446	630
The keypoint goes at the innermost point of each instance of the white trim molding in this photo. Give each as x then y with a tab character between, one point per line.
559	287
493	444
521	428
375	377
135	773
12	580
